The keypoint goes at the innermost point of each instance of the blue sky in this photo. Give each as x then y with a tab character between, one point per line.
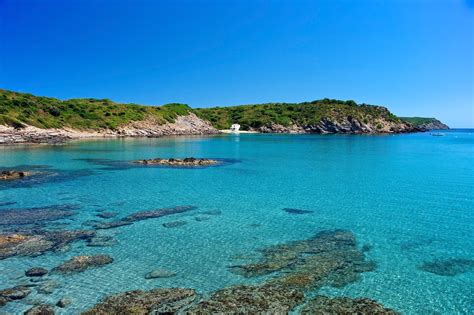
415	57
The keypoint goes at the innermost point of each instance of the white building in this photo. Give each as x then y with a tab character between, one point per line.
235	127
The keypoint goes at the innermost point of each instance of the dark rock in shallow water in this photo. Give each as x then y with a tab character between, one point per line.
8	203
345	306
47	287
64	302
448	267
330	257
158	301
23	216
160	273
174	224
36	272
144	215
15	293
186	162
296	211
40	310
81	263
36	243
201	218
101	241
212	212
107	214
266	299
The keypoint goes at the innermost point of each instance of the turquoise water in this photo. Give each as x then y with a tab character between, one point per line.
410	197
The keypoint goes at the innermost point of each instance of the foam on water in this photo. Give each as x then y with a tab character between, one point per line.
410	197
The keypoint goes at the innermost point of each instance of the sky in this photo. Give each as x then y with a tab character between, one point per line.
414	56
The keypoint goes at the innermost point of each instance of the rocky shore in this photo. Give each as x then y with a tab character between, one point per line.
183	125
13	174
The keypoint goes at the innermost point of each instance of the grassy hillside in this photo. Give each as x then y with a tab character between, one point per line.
17	109
285	114
418	121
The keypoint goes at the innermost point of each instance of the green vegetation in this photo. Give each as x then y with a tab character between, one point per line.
418	121
303	114
18	109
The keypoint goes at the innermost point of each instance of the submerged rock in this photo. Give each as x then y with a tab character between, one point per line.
36	243
24	216
156	301
15	293
266	299
330	257
63	302
160	273
186	162
345	306
201	218
107	214
13	174
212	212
296	211
81	263
448	267
36	272
40	310
144	215
101	241
47	287
174	224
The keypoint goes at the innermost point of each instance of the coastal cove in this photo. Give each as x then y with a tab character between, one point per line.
385	203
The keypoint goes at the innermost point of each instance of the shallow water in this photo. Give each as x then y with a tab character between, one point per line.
410	197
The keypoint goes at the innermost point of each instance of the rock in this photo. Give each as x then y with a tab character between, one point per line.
63	302
157	301
186	162
145	215
344	306
37	242
265	299
212	212
160	273
201	218
3	301
448	267
81	263
47	287
296	211
101	241
15	293
107	214
36	272
13	174
40	310
328	258
174	224
24	216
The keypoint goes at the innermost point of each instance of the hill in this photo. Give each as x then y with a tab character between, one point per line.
321	116
426	123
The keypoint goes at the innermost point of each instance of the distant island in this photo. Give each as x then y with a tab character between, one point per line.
25	118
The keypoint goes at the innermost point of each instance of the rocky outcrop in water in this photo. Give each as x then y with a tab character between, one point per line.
158	301
344	306
186	162
13	174
448	267
82	263
144	215
35	243
296	211
160	273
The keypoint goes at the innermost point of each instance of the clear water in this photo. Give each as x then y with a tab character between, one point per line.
411	197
